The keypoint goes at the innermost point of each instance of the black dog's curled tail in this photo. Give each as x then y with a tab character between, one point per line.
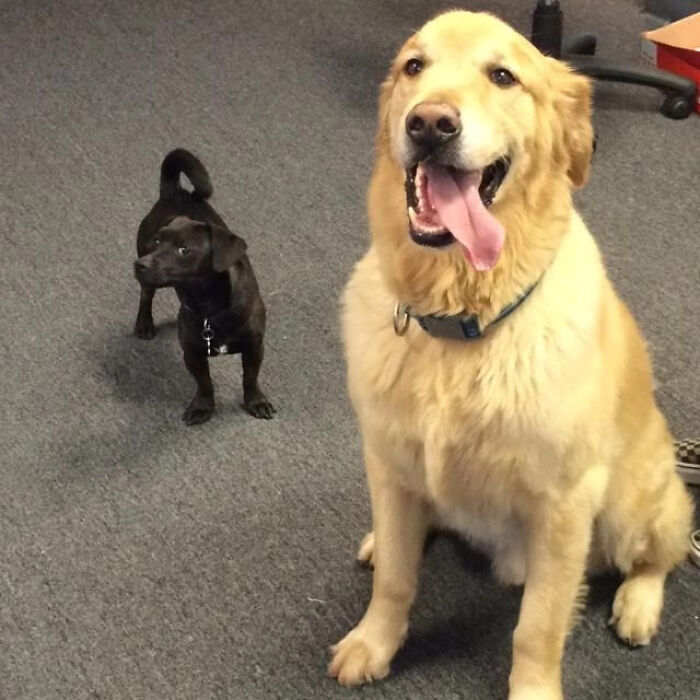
182	161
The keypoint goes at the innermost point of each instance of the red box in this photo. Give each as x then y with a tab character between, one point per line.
678	49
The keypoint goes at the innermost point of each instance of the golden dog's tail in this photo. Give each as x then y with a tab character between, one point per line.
182	161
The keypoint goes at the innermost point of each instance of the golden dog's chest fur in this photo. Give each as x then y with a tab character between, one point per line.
473	425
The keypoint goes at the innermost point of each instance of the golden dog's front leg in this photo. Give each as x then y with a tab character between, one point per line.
558	539
400	523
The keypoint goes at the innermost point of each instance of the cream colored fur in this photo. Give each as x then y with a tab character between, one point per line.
544	436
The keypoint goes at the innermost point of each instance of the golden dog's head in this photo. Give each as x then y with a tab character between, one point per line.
485	133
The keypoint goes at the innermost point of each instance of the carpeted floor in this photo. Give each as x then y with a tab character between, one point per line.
142	559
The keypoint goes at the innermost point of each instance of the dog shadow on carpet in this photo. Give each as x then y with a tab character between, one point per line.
144	389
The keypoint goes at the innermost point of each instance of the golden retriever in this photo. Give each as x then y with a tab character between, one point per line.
540	440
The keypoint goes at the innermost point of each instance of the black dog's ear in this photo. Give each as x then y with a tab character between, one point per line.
226	247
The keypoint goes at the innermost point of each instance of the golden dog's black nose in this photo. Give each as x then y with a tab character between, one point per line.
431	124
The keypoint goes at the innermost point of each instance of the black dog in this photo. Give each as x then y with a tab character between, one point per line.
184	243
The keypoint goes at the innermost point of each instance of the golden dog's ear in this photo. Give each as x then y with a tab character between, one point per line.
572	102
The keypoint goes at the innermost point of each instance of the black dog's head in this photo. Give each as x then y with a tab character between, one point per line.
185	248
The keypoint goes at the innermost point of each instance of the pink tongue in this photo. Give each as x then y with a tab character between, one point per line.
455	195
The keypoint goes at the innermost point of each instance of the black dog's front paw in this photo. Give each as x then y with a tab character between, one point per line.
260	407
199	411
144	328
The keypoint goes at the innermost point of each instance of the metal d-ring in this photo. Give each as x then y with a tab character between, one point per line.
207	332
207	335
401	318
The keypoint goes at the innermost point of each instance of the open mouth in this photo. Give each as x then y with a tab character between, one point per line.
446	204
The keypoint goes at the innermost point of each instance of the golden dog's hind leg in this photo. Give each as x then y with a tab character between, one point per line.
400	521
652	532
557	541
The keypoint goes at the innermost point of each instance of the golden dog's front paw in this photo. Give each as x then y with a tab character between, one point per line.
358	659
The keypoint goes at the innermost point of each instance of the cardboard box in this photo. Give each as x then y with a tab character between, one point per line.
678	49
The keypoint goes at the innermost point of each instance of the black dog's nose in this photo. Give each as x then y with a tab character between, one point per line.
141	265
431	124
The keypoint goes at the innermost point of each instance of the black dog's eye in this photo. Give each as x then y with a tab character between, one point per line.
502	77
183	250
156	243
413	66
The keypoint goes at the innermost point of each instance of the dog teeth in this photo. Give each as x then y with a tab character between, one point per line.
424	203
420	228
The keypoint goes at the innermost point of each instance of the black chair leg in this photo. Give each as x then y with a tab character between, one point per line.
547	27
582	45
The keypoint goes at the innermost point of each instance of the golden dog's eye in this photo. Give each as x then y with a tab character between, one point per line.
413	66
502	77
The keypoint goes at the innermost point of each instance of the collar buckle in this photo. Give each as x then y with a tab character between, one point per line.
402	318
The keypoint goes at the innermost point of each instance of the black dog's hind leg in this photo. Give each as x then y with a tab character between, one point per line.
201	407
144	327
254	401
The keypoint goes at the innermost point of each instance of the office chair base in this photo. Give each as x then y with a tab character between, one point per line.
676	107
582	45
547	33
680	92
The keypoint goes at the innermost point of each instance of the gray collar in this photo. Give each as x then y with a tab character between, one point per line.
457	327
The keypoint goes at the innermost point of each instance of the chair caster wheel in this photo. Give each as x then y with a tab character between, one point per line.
676	107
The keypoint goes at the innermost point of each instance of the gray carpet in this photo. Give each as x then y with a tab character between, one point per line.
144	559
